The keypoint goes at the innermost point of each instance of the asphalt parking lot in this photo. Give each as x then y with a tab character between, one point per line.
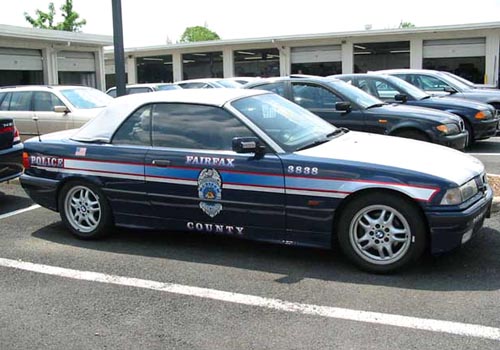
186	291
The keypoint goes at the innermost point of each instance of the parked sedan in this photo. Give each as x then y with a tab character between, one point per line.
346	106
253	165
55	107
442	84
11	149
208	83
480	119
141	88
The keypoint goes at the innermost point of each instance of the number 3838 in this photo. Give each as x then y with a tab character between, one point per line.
300	170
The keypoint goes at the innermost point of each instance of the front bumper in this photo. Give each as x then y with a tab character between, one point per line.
458	141
485	129
42	191
451	229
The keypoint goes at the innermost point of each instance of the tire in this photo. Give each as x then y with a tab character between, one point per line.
84	210
413	134
372	227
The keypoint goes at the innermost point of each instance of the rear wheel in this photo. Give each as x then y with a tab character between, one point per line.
413	134
84	210
381	232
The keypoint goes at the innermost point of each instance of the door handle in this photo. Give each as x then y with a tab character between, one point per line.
160	162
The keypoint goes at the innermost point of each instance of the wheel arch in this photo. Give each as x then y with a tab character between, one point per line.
73	178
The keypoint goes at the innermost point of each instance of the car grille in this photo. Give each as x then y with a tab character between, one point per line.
462	125
481	182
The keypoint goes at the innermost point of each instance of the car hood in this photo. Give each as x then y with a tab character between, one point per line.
415	112
418	156
449	102
481	94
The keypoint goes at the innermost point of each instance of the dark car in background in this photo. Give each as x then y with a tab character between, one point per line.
440	83
346	106
480	119
141	88
11	150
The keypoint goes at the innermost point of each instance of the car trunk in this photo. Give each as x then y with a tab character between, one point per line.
7	133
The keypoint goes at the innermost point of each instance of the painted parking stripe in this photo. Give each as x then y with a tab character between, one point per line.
457	328
19	211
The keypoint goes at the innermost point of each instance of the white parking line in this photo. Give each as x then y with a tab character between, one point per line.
15	212
462	329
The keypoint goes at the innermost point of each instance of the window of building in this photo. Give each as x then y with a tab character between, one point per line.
257	63
155	69
202	65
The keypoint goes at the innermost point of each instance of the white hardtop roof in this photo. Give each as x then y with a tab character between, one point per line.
104	125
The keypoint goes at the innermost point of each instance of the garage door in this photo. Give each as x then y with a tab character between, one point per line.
316	54
75	61
471	47
20	59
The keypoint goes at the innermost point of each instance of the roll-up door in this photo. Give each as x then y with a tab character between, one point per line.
470	47
20	59
316	54
75	61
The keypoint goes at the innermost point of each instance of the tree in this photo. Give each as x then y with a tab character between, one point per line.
198	33
406	25
45	20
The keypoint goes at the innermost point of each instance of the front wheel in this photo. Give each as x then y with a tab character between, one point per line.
381	232
84	210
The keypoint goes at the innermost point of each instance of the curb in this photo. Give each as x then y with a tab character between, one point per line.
13	181
495	205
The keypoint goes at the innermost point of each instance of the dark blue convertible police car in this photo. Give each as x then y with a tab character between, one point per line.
254	165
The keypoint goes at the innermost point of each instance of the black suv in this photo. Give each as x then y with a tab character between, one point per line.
347	106
480	119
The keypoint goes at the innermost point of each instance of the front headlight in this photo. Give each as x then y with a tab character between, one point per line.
449	129
482	115
460	194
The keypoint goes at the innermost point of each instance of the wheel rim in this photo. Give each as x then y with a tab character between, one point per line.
83	209
380	234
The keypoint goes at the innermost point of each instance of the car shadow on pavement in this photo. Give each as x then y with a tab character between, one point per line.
474	267
10	202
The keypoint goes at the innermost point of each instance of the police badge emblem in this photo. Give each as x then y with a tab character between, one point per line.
210	187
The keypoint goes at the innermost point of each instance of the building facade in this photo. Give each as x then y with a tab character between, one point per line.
471	51
51	57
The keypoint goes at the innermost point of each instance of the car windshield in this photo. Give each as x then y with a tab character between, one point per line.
455	83
289	125
168	87
353	94
85	98
408	88
463	80
229	84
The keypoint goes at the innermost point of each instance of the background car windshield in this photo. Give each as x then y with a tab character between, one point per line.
457	84
86	98
167	87
229	84
354	94
289	125
407	88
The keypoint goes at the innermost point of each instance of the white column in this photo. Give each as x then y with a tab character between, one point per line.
416	53
100	71
131	70
177	66
347	58
228	62
492	64
285	61
50	76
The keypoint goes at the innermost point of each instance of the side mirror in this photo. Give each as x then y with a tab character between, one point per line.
343	106
401	98
247	145
449	89
61	109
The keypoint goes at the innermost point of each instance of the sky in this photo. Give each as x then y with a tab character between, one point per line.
155	22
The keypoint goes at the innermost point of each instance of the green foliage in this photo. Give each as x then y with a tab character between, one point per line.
45	20
405	25
198	33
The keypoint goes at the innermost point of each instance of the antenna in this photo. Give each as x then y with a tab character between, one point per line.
35	118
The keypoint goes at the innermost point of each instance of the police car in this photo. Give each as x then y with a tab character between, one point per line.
251	164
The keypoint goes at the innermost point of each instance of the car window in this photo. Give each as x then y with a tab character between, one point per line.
136	130
112	92
138	90
4	106
20	101
384	90
167	87
277	88
429	83
45	101
195	86
179	125
312	96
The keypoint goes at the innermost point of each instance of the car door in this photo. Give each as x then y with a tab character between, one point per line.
322	102
196	182
17	105
48	119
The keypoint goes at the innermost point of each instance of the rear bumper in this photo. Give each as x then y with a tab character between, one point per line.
449	230
458	141
485	129
11	162
42	191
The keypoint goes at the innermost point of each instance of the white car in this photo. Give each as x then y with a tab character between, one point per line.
55	107
142	88
208	83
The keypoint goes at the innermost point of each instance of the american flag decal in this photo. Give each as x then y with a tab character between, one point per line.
81	151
